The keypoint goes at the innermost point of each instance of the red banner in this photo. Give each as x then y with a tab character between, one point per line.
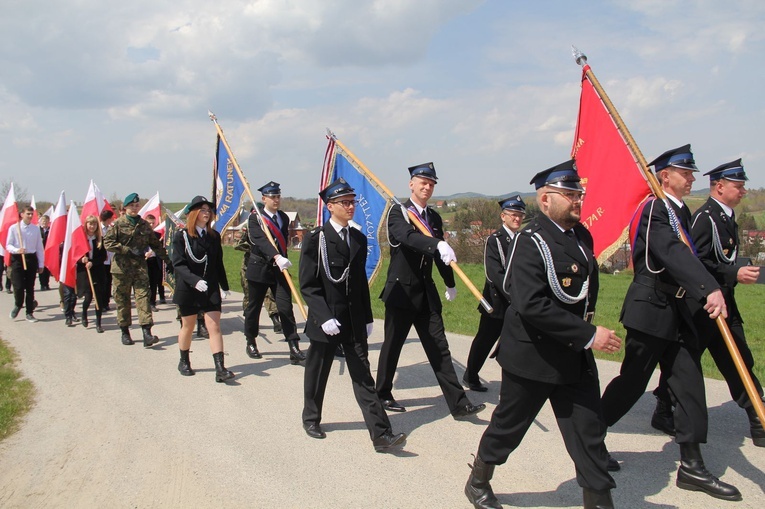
612	178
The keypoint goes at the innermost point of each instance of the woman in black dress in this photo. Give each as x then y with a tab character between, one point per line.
200	283
93	261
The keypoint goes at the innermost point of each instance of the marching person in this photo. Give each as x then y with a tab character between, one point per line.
44	276
668	280
264	272
25	245
715	235
129	238
334	285
200	283
243	244
411	297
545	349
494	261
154	266
106	217
93	261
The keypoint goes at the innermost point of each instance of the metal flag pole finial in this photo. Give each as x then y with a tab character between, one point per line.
581	58
212	115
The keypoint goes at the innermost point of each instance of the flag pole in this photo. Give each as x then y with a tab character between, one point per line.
21	243
92	288
266	231
484	303
751	390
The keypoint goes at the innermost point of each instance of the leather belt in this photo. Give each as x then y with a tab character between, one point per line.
677	292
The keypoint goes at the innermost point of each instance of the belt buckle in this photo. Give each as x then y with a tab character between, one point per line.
680	293
589	316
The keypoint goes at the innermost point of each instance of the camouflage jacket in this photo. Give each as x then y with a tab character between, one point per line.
130	243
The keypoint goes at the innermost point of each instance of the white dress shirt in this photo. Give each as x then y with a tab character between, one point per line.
30	241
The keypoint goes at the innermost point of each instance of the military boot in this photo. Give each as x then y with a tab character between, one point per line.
184	366
597	499
148	338
755	427
296	356
694	476
99	329
126	339
221	373
663	418
277	323
202	331
478	490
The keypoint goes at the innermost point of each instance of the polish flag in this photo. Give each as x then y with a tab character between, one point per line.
9	215
35	215
75	247
152	207
49	212
94	203
56	237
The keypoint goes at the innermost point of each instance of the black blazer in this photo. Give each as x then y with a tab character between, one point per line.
348	301
649	309
725	273
261	267
543	338
97	271
412	254
188	273
495	255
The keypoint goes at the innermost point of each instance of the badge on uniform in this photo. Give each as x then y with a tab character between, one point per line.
726	251
566	282
574	268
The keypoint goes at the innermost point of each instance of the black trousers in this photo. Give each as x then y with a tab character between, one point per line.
283	297
155	280
430	328
488	333
577	411
317	368
24	280
44	278
684	378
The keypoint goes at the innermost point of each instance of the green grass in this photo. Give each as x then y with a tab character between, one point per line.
462	316
16	393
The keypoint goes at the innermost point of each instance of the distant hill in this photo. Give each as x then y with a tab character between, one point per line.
470	196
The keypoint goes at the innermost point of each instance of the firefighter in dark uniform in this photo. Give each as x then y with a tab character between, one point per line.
547	340
495	263
669	279
334	285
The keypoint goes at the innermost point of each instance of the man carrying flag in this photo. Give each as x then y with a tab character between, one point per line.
264	271
27	260
659	322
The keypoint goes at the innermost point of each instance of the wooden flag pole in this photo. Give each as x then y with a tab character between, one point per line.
484	303
92	288
743	372
21	243
266	231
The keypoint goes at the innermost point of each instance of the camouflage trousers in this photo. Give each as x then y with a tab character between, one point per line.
269	303
139	283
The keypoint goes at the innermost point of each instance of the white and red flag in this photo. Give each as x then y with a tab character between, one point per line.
56	237
35	215
9	215
49	212
94	203
75	247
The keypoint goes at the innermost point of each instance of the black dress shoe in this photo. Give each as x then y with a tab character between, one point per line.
314	431
388	441
663	419
694	476
296	356
252	351
467	410
391	405
613	465
474	386
277	323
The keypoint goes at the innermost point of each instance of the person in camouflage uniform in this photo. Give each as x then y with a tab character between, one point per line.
268	302
129	238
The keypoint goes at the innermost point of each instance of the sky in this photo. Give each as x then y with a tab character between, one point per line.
118	92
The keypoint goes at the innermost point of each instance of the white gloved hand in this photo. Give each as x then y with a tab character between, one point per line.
283	262
450	294
224	294
331	327
446	252
201	286
370	326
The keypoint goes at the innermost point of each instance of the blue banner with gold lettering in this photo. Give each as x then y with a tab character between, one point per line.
228	188
371	209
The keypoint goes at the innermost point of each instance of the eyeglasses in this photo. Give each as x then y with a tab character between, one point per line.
205	210
346	203
573	196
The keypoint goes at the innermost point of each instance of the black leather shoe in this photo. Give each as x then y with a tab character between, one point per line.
296	356
663	419
388	441
314	431
474	386
252	350
467	410
755	427
613	465
391	405
84	321
694	476
277	324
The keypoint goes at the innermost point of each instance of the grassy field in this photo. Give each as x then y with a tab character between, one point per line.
16	394
461	316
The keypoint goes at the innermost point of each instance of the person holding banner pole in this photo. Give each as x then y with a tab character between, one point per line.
27	260
264	272
411	298
91	273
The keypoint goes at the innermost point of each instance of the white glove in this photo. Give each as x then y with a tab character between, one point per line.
283	262
447	253
201	286
224	294
370	326
331	327
450	294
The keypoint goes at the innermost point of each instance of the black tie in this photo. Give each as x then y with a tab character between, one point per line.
276	220
344	233
202	234
424	215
